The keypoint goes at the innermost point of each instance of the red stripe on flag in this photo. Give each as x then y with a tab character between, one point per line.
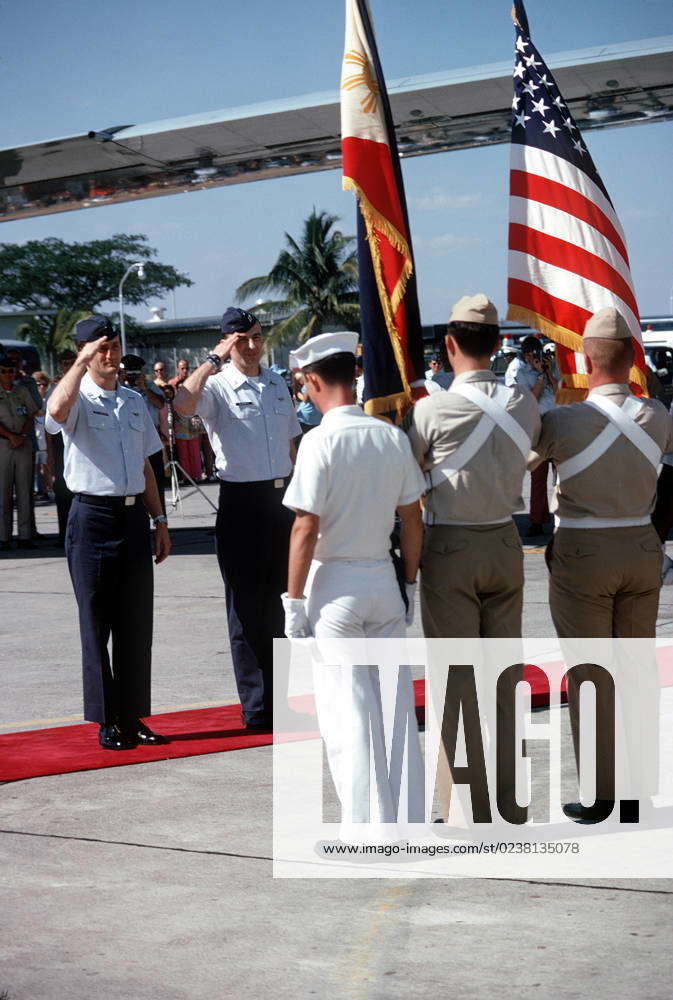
566	314
369	164
566	359
556	195
561	253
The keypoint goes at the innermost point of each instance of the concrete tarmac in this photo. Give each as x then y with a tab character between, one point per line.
154	880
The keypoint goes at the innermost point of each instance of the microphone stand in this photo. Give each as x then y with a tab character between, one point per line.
176	495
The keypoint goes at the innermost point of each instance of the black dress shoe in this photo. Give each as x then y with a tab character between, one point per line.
596	813
111	737
260	725
144	735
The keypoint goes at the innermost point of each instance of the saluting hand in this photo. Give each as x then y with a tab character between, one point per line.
162	543
223	348
89	351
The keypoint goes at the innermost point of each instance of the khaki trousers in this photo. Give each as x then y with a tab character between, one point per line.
16	470
604	582
472	581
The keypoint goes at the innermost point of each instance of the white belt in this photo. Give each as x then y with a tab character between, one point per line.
494	415
621	421
601	522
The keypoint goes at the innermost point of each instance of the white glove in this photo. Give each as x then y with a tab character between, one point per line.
297	625
666	570
411	594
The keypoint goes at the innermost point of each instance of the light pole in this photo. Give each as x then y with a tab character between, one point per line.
138	266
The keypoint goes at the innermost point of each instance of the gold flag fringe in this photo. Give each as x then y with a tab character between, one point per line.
569	339
374	220
398	404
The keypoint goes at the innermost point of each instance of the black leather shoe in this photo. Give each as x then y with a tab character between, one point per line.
144	735
600	810
113	738
256	725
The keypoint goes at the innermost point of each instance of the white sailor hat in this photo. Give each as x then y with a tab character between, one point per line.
321	347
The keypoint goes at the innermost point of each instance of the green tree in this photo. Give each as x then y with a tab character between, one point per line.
317	277
57	280
52	334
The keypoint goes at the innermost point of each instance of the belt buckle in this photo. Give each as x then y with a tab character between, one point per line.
129	501
278	484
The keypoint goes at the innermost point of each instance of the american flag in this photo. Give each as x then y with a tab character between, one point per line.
392	339
567	251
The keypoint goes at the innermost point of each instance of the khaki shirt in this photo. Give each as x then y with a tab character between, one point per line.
488	488
622	483
16	404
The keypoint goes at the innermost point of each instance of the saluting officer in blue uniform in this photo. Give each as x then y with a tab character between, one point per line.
251	423
108	435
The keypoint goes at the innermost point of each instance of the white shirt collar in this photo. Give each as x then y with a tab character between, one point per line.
235	377
342	411
90	389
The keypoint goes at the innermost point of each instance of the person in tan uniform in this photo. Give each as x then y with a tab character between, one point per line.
17	412
605	556
472	442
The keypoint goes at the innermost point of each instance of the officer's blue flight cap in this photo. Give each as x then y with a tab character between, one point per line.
93	328
237	321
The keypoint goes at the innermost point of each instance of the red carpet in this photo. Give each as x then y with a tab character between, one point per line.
38	752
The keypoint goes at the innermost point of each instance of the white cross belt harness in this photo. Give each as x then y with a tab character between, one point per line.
495	415
621	421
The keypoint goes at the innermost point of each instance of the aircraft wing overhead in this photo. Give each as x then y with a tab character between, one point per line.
614	85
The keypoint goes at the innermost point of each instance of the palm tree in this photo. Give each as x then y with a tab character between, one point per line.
52	334
318	279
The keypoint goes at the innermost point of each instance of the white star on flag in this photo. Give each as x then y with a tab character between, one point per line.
515	102
531	62
540	106
558	101
569	124
521	119
521	45
543	79
530	88
552	128
519	70
579	147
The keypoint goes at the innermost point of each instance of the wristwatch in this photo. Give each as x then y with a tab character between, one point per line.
214	360
159	519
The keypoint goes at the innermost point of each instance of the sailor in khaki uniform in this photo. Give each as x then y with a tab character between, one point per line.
472	443
605	556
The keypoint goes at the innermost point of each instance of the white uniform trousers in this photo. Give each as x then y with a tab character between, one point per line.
351	600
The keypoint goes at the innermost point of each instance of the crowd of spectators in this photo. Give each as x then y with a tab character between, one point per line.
40	477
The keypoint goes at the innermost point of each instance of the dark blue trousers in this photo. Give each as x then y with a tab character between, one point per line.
110	560
253	538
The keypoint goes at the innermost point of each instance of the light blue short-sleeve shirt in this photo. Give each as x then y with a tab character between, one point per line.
250	422
107	437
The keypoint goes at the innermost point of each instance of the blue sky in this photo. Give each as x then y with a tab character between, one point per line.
73	66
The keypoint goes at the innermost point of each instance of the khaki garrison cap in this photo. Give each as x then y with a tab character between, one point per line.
608	324
474	309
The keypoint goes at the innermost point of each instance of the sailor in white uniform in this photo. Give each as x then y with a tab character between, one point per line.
353	473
